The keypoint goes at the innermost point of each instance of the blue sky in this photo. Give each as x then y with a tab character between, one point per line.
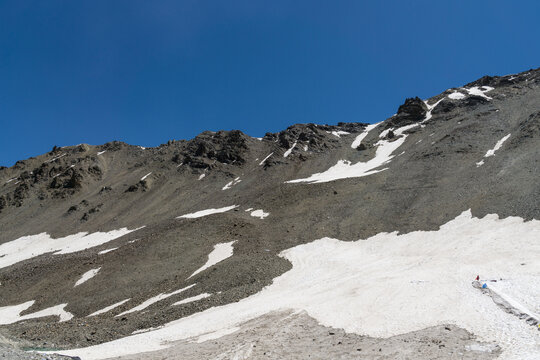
145	72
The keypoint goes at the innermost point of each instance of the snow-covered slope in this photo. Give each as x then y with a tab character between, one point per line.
387	285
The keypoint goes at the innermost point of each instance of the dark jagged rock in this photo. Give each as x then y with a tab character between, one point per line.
178	159
105	189
20	164
95	209
114	146
484	81
317	137
473	100
95	171
41	173
351	127
75	181
20	193
142	185
412	111
226	147
133	188
197	162
67	179
445	106
361	147
531	75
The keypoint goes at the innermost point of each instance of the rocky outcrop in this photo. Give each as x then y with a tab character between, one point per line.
226	147
532	75
317	138
412	111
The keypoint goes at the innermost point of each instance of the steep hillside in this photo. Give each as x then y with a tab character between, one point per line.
99	242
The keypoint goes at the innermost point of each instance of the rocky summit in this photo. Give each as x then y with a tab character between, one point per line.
414	237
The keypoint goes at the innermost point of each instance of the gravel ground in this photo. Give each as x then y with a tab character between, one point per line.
287	335
11	353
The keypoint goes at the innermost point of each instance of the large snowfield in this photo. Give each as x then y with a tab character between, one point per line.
389	284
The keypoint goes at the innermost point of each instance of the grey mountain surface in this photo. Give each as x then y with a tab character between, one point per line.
438	172
259	339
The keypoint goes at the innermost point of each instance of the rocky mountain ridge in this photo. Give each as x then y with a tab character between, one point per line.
473	148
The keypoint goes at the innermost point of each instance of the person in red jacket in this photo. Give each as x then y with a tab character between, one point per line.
477	277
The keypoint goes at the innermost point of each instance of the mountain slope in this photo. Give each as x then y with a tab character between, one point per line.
474	147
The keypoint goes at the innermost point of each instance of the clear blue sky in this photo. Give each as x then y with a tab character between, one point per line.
144	72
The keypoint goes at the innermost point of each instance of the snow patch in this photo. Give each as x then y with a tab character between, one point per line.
491	152
402	129
221	252
230	184
27	247
259	213
385	132
202	176
145	176
480	91
338	133
344	169
498	145
107	250
87	276
55	158
102	152
456	96
207	212
266	158
430	109
11	314
192	299
154	300
358	140
109	308
288	152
